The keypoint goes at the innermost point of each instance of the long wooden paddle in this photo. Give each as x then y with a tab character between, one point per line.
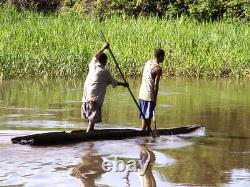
155	131
120	71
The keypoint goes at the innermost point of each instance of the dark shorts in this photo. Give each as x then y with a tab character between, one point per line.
147	108
92	112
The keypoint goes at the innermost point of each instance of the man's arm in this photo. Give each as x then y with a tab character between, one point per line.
111	80
157	75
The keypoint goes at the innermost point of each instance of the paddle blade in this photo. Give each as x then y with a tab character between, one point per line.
156	133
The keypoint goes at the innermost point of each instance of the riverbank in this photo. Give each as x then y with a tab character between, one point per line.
37	45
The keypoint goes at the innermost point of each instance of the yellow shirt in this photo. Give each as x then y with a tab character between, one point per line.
147	86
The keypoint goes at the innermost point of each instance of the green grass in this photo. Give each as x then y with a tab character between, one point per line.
37	45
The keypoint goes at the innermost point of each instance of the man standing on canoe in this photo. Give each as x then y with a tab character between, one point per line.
149	87
95	85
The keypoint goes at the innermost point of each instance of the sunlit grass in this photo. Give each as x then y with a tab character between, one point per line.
36	45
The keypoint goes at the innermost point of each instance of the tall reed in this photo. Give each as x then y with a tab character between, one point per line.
37	45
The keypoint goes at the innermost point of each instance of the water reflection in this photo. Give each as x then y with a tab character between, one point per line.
90	168
147	157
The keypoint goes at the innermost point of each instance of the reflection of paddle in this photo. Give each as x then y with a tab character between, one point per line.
155	131
149	128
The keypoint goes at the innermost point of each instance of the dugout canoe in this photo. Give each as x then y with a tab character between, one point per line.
100	134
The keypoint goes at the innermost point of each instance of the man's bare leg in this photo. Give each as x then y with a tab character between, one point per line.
90	127
148	123
145	124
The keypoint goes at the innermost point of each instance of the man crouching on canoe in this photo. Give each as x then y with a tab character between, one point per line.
95	85
149	87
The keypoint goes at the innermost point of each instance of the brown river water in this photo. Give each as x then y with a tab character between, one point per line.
220	156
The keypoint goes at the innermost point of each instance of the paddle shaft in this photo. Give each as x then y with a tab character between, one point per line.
154	120
131	93
155	131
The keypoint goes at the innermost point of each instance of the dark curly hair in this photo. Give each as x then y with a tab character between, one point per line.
159	53
101	57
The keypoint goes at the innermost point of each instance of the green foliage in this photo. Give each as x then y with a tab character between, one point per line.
78	7
247	10
38	45
134	8
205	10
2	2
235	8
198	9
176	9
37	5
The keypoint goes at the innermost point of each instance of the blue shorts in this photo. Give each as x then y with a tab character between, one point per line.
147	108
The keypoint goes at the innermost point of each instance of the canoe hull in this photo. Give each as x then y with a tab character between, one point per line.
102	134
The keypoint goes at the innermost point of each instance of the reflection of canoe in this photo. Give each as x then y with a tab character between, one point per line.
103	134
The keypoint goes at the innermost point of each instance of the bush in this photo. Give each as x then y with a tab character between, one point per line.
171	9
198	9
37	5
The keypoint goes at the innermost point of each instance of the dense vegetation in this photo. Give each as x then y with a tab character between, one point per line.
198	9
60	44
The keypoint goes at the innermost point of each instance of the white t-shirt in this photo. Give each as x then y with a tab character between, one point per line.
96	82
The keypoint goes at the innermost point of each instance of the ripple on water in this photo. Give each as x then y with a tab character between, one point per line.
238	177
164	106
25	115
20	108
48	124
72	101
27	164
